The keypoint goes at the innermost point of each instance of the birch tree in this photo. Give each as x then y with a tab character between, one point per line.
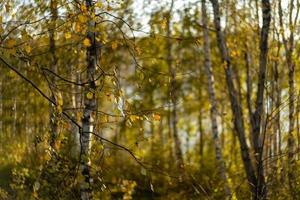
255	176
92	57
213	101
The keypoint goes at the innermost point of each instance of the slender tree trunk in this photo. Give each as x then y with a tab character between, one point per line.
298	121
15	117
291	139
276	125
53	113
235	106
213	102
289	50
257	134
161	132
237	79
173	94
1	106
257	183
200	121
90	103
75	104
201	137
278	118
249	89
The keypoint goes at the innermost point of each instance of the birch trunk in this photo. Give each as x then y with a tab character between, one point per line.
277	117
213	103
75	104
201	137
173	94
233	96
276	125
257	134
89	105
289	50
1	107
53	117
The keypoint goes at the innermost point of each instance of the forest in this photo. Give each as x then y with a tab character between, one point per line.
148	99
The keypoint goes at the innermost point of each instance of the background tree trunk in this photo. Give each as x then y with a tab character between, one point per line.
289	50
257	134
53	63
173	93
235	106
213	102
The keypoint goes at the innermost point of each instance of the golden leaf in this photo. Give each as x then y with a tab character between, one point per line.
133	118
87	42
104	38
7	7
68	35
164	23
128	123
10	43
89	95
28	49
25	35
83	8
138	51
77	27
114	45
59	109
54	4
12	51
109	8
82	18
59	99
156	117
99	4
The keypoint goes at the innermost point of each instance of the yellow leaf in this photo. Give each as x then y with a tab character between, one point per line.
87	42
89	95
109	8
103	38
98	39
59	109
143	171
82	18
114	45
12	51
35	194
10	43
164	23
59	99
99	4
68	35
77	27
128	123
83	8
25	35
27	49
133	118
156	117
138	51
7	7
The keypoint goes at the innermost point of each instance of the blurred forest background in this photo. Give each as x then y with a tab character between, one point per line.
147	99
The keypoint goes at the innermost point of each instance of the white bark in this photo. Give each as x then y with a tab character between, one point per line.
213	102
89	106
